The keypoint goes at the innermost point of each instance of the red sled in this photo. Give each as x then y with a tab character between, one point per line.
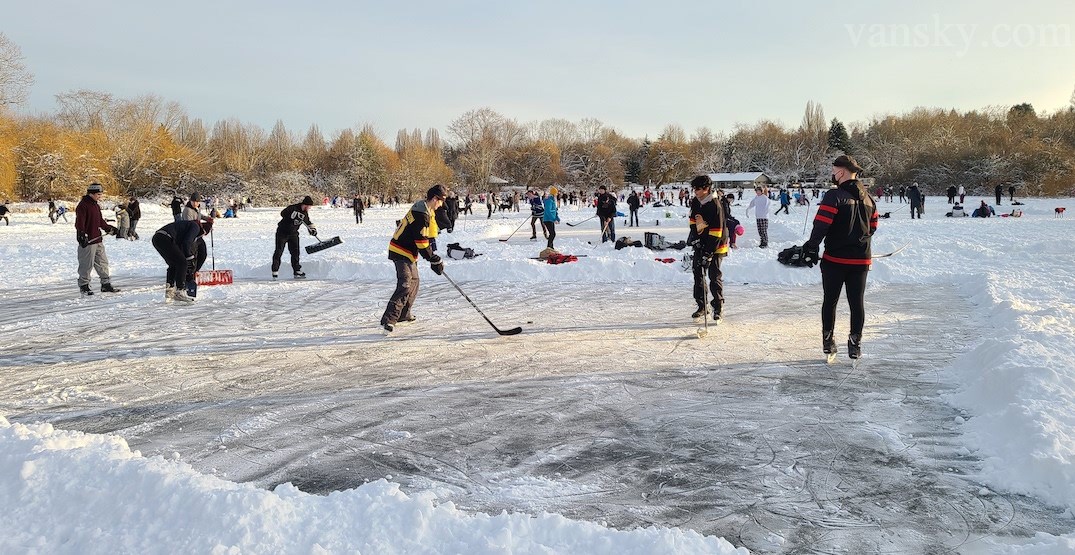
214	277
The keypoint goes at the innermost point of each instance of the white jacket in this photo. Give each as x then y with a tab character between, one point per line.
761	204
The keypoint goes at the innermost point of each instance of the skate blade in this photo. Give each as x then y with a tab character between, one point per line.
830	358
701	333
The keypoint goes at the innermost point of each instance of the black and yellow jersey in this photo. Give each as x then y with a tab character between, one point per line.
412	236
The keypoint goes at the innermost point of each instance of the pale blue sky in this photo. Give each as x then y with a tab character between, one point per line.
635	65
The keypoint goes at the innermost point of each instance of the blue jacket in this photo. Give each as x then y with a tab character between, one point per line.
550	210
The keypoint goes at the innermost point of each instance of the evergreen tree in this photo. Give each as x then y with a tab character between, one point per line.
839	140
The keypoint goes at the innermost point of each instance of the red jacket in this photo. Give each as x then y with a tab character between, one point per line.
89	221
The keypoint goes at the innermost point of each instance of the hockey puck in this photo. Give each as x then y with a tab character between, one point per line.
529	321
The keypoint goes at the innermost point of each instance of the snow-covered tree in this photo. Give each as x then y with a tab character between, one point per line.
15	79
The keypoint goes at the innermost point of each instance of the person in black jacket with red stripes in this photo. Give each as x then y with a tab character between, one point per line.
846	220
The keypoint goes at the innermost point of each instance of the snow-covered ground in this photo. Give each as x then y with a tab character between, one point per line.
135	426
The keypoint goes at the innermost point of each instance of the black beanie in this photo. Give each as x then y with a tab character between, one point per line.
308	200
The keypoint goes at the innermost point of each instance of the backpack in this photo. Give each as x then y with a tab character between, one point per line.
792	256
457	252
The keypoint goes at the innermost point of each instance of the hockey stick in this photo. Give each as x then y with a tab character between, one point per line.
569	224
514	232
807	218
888	254
604	232
705	308
512	331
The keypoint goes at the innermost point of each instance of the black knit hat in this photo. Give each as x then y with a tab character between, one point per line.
701	182
847	162
308	200
94	188
196	197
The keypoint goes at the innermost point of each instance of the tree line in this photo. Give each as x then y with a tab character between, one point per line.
148	146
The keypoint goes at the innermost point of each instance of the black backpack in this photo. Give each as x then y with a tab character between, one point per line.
457	252
791	256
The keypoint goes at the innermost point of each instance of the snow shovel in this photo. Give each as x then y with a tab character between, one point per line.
214	276
322	245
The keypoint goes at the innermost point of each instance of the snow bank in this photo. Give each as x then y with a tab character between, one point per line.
68	492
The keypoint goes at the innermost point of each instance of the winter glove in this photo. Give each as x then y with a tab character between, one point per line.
437	267
313	231
111	231
707	260
83	240
810	255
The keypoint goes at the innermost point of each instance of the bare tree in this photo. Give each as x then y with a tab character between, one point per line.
483	134
15	79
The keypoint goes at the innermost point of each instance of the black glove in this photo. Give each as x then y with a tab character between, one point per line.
810	255
111	231
313	231
707	260
437	267
83	239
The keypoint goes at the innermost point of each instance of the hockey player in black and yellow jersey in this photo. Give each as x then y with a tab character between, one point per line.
410	241
709	237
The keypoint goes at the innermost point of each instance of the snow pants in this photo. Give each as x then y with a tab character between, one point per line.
836	277
92	256
292	242
399	306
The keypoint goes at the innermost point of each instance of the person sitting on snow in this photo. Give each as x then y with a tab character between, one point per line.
957	211
983	211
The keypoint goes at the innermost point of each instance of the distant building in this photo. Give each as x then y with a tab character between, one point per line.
746	180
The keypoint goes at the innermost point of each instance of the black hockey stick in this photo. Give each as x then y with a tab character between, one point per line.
582	222
512	233
512	331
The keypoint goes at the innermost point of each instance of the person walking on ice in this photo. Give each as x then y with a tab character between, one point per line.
846	220
287	233
89	222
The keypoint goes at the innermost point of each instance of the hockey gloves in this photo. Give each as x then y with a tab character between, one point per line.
83	239
313	231
810	255
436	264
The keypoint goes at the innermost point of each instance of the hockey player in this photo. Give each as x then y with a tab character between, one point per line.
410	240
709	238
846	220
177	245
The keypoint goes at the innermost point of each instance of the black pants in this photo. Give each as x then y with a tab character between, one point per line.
716	283
177	263
131	232
915	210
533	227
836	277
292	242
358	217
551	228
634	218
